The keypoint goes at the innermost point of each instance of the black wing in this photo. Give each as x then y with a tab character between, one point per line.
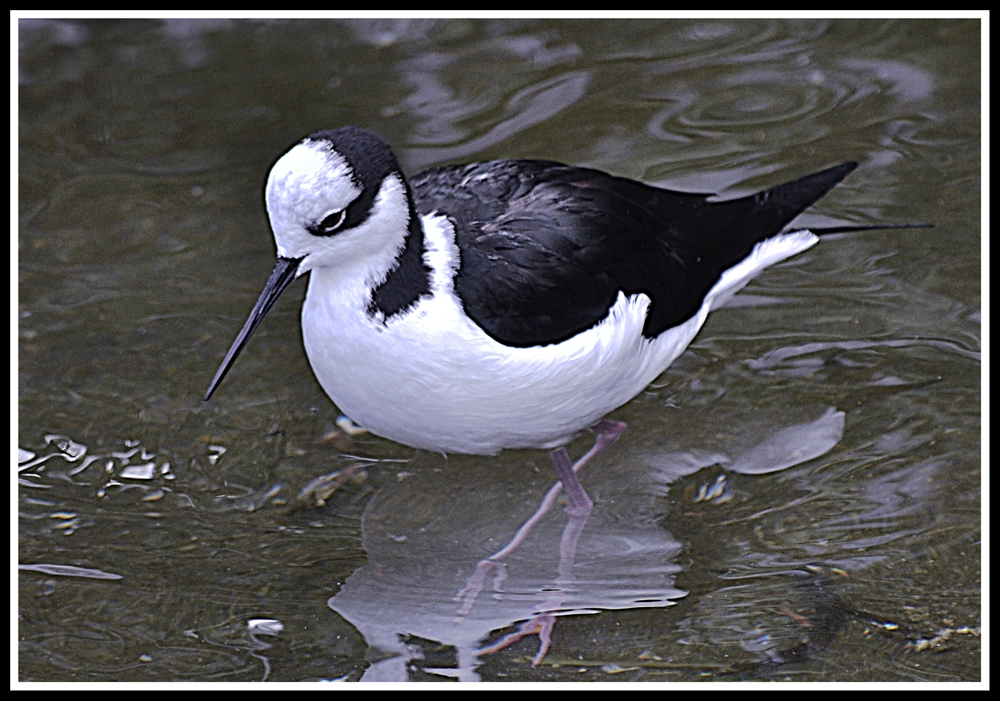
546	248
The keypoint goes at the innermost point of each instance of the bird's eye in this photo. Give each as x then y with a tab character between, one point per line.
329	225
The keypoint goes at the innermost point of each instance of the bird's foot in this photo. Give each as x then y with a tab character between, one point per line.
540	625
475	583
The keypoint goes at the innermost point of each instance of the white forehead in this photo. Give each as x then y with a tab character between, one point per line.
307	184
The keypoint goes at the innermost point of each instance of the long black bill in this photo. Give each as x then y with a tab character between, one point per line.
281	277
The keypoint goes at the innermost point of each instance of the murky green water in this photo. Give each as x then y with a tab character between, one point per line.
142	243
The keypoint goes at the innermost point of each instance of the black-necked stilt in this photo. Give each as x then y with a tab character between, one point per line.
505	304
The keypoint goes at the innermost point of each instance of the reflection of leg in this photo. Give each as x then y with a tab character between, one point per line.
567	551
580	504
543	622
540	624
474	584
608	432
579	508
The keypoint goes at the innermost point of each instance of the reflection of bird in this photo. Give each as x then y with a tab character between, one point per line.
506	304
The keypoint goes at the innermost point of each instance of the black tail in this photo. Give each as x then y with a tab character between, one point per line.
785	202
824	230
792	198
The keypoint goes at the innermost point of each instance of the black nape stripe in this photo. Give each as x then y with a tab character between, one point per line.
410	279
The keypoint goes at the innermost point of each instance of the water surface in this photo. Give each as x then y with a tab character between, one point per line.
742	530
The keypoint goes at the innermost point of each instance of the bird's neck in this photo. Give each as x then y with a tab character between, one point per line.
409	278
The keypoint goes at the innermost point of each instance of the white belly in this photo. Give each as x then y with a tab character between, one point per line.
434	380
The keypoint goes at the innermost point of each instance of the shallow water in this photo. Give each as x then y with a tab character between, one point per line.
142	244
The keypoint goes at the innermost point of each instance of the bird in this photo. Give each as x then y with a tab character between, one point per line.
505	304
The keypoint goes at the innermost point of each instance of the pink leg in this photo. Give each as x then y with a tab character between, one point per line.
608	432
